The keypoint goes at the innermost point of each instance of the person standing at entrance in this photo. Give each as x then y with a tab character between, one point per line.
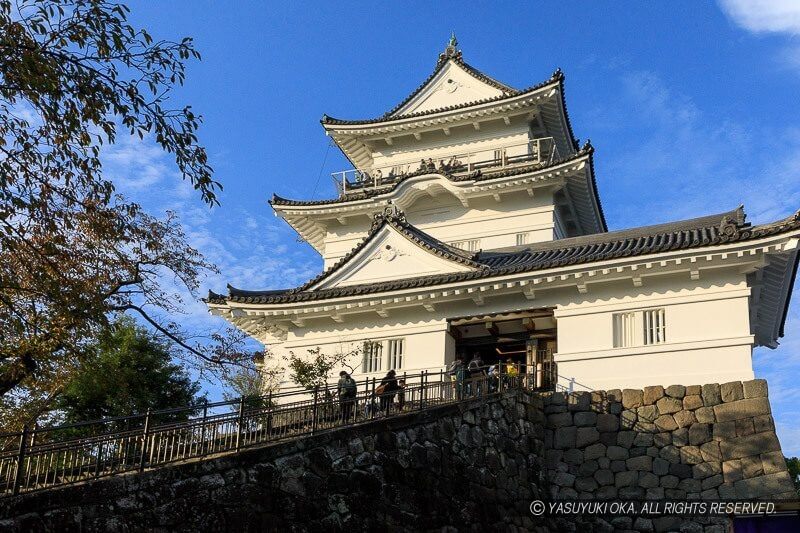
476	374
388	388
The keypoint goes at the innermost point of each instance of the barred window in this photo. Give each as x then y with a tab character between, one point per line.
373	354
472	245
396	348
655	327
624	330
522	238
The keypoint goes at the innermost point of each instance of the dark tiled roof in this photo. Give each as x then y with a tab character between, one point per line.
478	175
557	76
711	230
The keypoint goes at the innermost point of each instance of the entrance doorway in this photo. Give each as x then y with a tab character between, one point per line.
525	339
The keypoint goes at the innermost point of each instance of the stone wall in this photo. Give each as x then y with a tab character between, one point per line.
470	467
475	466
706	442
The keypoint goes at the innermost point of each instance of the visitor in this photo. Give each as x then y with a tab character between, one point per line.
494	378
401	394
387	390
476	373
458	373
346	390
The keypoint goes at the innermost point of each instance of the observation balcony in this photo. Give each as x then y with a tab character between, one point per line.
541	151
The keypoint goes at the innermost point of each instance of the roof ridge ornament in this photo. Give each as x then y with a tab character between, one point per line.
451	51
390	213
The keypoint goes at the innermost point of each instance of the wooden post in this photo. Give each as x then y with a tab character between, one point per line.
240	424
23	439
145	435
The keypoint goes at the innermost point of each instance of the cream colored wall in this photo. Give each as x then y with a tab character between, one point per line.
707	322
707	334
494	223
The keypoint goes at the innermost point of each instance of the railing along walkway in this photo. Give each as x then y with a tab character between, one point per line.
55	456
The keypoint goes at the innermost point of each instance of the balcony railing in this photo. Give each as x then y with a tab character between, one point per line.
535	151
42	458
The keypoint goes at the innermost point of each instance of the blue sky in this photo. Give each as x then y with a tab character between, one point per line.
691	106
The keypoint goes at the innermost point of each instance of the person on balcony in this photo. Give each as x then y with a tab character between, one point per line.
476	375
458	373
346	390
387	389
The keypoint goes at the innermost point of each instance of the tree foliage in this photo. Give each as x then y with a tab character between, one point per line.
315	369
793	464
73	252
129	370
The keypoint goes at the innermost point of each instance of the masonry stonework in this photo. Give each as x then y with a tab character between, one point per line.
475	466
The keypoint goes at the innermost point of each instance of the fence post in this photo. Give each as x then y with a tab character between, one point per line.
314	411
269	414
240	424
203	446
571	384
23	439
372	400
145	435
424	388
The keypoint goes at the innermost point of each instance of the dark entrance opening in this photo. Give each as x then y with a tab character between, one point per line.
525	339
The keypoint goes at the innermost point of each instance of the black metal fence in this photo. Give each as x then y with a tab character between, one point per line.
49	457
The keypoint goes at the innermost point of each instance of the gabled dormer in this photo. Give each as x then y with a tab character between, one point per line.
472	161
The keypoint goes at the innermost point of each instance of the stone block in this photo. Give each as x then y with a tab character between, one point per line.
618	466
648	413
573	456
711	395
626	479
699	434
609	438
604	477
705	415
662	439
725	430
607	422
559	420
744	427
631	398
669	481
628	419
586	435
626	438
681	470
709	495
731	391
773	462
643	463
606	493
726	492
712	482
676	391
680	437
585	418
651	395
755	444
648	480
563	479
693	389
617	452
660	466
671	454
631	493
564	437
666	423
643	439
690	485
732	471
654	493
692	402
603	462
674	494
742	409
763	486
751	466
755	388
711	452
763	423
585	484
594	451
684	418
579	401
704	470
587	468
690	455
668	405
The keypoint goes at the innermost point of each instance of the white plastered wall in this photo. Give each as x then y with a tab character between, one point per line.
708	336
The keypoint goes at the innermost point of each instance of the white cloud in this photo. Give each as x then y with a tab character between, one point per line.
764	16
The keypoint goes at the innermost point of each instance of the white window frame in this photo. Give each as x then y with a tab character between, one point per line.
395	353
373	357
643	327
523	238
470	245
